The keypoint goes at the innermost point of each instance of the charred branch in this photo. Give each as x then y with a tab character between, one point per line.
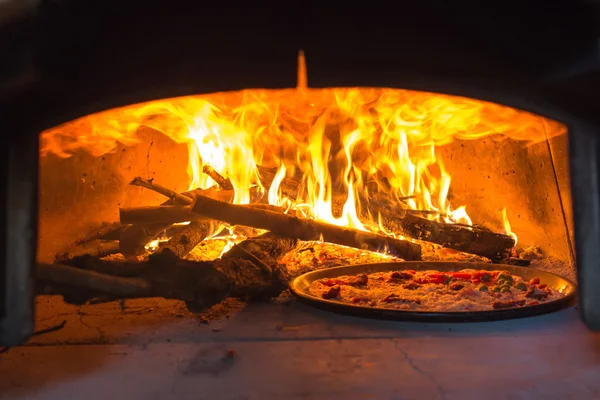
173	214
459	237
250	269
179	245
133	238
157	214
303	229
106	231
171	194
94	281
397	219
96	248
223	182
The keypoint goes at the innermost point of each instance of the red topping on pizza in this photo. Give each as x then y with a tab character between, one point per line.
465	290
332	293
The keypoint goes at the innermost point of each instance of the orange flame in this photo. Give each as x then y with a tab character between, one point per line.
348	140
507	226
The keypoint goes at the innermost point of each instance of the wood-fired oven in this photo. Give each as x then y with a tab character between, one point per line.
477	127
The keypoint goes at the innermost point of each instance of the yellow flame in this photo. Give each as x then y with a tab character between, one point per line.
337	140
152	246
274	196
507	226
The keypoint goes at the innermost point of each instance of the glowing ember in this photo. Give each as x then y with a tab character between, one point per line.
152	246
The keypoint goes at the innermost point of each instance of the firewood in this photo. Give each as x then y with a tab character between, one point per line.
97	248
265	249
223	182
106	231
396	219
473	240
100	242
183	242
180	198
174	214
94	281
133	238
157	215
400	221
171	194
250	269
302	228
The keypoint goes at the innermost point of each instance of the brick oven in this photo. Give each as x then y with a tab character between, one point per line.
200	160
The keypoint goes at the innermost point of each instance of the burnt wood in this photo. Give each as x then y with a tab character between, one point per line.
250	269
303	228
180	244
96	248
401	221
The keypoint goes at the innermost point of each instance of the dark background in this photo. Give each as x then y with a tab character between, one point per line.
90	55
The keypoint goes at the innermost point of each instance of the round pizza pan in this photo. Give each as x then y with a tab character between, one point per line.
300	285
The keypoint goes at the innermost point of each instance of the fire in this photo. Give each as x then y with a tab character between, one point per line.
507	229
343	144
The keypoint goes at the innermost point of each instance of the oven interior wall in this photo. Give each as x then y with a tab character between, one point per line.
80	192
531	181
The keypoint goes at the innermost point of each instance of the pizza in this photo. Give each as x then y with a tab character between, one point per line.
435	291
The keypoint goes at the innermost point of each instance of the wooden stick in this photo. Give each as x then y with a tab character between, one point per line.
244	271
223	182
173	195
157	214
473	240
303	229
125	287
96	248
133	238
268	246
183	242
181	198
105	230
174	214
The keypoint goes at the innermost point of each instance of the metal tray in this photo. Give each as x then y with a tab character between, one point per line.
300	285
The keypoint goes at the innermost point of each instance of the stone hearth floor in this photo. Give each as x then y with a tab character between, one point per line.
155	349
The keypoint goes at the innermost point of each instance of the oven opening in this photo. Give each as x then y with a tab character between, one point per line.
204	199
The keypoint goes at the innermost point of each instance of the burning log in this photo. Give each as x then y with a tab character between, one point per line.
171	194
397	220
133	238
174	214
473	240
149	222
303	229
268	246
223	182
183	242
401	221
